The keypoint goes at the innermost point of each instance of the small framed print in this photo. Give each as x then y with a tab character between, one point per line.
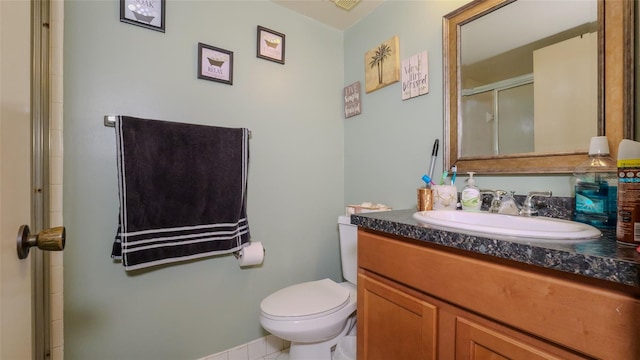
352	100
145	13
215	64
270	45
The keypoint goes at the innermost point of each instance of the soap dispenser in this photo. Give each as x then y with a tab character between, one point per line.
471	197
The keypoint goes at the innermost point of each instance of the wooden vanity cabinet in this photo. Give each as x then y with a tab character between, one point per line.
418	300
398	325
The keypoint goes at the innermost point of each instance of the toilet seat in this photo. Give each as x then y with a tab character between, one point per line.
304	301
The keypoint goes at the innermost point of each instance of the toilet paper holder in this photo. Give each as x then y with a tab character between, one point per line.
249	255
238	255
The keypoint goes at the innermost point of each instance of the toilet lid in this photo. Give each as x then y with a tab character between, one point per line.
309	298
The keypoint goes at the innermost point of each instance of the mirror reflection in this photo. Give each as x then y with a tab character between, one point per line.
529	79
615	105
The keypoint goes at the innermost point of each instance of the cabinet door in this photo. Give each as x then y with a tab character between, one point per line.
393	324
476	342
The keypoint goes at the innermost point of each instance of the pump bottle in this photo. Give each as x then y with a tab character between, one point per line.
470	197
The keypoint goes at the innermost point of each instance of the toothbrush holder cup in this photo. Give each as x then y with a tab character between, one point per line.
445	197
425	199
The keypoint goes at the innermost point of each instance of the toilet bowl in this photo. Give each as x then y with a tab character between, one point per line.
316	326
315	315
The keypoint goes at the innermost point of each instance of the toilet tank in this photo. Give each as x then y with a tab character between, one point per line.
348	248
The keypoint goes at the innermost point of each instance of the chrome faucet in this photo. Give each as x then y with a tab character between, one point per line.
509	205
528	208
496	201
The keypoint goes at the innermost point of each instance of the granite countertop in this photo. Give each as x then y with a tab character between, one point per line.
602	259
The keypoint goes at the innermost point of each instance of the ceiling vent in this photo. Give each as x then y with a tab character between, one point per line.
346	4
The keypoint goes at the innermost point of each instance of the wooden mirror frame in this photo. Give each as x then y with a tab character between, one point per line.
615	91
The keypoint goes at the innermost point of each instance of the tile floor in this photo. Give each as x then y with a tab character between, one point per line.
270	348
281	355
266	348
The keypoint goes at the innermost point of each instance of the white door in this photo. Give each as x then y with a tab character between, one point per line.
16	338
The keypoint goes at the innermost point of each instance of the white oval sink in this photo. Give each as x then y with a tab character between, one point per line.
508	227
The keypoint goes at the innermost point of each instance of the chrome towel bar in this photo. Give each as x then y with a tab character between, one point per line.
110	121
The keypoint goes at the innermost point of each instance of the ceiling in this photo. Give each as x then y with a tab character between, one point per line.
326	12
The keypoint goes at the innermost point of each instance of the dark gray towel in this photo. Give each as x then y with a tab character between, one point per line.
182	190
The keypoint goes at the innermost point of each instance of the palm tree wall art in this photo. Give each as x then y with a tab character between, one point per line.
382	65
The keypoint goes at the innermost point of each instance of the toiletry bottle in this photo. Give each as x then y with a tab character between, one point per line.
628	229
471	198
596	187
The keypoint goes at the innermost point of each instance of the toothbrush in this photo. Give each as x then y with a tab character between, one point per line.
444	177
454	170
427	180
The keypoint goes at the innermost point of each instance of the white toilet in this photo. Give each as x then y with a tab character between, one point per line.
315	315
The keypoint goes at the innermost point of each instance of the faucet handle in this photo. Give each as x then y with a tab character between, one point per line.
528	208
496	201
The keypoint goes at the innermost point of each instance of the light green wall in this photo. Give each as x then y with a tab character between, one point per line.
296	178
307	162
388	146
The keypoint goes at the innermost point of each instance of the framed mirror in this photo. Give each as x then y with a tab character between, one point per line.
525	94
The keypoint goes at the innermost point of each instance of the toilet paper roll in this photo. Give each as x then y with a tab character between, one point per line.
251	255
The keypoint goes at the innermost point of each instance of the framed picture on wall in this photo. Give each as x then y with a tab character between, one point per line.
382	65
270	45
215	64
147	13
